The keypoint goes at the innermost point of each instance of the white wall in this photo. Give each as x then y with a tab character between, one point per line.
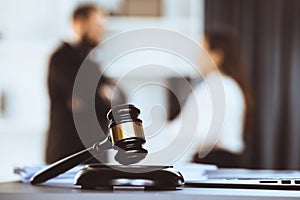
23	78
30	30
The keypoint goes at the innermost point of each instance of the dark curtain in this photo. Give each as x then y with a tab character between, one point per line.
270	37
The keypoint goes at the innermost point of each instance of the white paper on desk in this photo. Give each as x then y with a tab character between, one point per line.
194	171
26	172
251	174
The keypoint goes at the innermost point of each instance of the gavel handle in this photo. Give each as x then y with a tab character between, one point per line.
69	162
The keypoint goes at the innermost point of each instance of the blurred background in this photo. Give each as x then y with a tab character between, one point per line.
269	30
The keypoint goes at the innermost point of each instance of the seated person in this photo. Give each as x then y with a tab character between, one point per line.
225	134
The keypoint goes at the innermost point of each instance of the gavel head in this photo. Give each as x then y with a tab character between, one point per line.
127	134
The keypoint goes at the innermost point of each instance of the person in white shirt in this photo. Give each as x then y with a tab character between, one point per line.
214	116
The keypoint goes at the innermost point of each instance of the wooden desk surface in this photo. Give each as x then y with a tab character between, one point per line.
18	190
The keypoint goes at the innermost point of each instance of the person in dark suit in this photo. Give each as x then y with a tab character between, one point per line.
63	139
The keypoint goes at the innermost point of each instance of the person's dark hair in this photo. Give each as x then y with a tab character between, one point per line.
83	11
233	63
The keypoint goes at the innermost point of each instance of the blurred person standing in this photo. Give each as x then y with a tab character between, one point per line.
63	139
